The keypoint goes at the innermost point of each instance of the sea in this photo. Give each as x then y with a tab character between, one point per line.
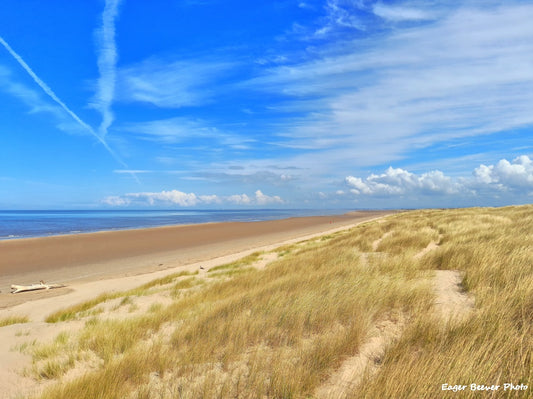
40	223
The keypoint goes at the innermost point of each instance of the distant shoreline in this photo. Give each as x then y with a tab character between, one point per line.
21	224
106	254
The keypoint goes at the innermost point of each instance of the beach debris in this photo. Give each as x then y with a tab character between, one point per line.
33	287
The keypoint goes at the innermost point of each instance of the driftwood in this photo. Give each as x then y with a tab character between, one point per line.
33	287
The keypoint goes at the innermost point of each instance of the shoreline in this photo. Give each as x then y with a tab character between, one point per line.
101	255
314	213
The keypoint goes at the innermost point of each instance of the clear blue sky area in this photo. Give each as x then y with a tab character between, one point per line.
243	104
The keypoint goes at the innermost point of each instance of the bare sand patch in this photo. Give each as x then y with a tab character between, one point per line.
376	243
366	363
451	302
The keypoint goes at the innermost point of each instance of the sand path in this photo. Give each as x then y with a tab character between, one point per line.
451	303
352	371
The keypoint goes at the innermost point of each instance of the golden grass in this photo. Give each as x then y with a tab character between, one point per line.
247	260
81	310
7	321
282	331
494	247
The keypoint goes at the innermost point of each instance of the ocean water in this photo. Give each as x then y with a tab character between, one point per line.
23	224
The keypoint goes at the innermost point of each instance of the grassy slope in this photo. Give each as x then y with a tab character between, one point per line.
281	331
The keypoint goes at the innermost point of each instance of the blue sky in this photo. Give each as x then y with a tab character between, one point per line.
239	104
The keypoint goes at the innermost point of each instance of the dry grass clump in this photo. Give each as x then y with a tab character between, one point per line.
171	278
53	359
280	332
82	309
239	264
7	321
414	240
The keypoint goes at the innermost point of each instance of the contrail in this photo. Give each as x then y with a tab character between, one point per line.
49	91
107	60
52	95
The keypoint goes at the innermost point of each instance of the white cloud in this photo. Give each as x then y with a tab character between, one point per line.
116	201
399	182
239	199
174	197
340	14
178	129
171	130
492	179
210	199
132	171
107	60
179	198
262	199
400	13
362	103
172	84
255	175
506	175
28	96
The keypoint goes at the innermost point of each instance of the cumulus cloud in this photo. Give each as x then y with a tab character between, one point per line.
239	199
174	197
179	198
116	201
399	181
262	199
515	176
506	175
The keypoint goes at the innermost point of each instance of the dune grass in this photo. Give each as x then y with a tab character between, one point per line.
82	309
7	321
494	248
280	332
238	264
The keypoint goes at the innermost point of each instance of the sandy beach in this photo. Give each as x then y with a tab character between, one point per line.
113	254
105	262
119	317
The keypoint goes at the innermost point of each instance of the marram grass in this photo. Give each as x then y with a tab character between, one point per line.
7	321
281	332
